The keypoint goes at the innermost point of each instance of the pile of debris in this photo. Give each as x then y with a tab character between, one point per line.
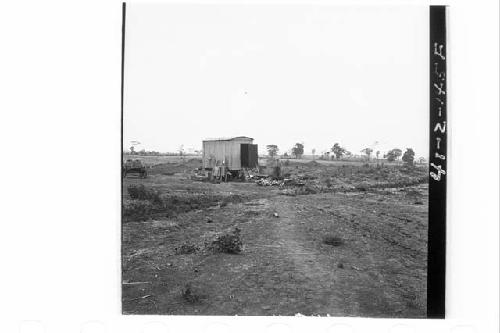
273	181
270	182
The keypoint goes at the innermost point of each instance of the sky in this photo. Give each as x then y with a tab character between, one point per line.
280	74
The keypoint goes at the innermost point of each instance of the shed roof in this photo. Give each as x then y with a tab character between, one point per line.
228	139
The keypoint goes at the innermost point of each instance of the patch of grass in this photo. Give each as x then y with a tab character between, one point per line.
175	204
305	190
333	240
137	210
186	249
189	295
362	187
235	198
141	192
229	242
412	193
251	213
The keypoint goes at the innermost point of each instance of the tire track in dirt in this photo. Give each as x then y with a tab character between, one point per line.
318	269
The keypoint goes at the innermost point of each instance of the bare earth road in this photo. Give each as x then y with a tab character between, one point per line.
284	268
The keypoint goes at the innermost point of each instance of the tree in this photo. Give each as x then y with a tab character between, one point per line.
408	156
272	150
393	154
298	150
368	152
338	150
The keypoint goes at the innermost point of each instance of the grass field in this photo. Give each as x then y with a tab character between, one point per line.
354	243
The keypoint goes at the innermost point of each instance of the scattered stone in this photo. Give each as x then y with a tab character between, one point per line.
276	215
209	220
340	265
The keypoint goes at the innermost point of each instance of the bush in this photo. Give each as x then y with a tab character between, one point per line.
333	240
136	210
228	242
141	192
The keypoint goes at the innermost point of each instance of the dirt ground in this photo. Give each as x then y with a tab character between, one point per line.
378	269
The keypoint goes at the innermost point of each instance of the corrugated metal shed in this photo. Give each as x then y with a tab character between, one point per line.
224	151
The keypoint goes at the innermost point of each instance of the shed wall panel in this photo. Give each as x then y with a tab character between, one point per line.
229	151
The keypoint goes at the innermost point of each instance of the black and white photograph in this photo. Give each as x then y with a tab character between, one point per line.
277	166
276	160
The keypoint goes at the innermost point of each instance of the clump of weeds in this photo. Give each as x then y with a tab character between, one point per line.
333	240
229	242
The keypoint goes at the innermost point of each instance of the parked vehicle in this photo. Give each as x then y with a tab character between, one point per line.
134	167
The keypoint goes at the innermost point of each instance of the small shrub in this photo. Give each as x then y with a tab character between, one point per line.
141	192
333	240
228	242
412	193
136	210
189	295
186	249
235	198
308	189
362	187
328	182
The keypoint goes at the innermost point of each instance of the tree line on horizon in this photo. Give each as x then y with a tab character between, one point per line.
338	152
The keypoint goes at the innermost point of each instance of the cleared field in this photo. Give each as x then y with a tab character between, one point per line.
376	265
154	160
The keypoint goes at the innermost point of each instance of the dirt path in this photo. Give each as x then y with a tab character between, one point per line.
317	270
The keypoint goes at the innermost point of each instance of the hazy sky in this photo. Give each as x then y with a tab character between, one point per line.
279	74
